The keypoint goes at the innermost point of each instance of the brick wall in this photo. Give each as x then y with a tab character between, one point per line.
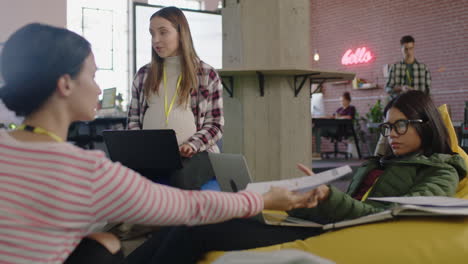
440	28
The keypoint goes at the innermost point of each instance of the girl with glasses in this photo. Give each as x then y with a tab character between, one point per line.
421	164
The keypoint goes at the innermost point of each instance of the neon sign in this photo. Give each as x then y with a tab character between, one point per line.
362	55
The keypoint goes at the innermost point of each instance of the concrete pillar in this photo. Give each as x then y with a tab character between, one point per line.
272	131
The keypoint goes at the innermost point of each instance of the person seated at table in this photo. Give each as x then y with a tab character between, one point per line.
53	194
346	111
421	164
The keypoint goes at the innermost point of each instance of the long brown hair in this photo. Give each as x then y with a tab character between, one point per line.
188	57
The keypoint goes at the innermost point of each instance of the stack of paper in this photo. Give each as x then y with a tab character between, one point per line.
302	184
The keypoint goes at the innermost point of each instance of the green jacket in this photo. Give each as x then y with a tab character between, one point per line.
416	175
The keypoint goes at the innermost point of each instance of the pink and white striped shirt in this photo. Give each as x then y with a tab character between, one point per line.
53	194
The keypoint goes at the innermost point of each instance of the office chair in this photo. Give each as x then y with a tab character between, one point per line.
343	132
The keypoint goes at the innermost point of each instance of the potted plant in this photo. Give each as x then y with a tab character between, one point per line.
373	118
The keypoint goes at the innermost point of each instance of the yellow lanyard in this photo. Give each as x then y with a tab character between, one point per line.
368	191
410	80
39	130
167	110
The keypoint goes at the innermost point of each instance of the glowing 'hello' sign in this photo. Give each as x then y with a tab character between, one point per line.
362	55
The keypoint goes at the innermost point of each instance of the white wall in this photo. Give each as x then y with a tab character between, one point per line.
17	13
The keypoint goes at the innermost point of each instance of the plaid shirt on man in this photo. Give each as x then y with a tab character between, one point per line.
206	103
421	78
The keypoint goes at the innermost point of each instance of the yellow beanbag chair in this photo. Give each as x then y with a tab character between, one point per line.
405	240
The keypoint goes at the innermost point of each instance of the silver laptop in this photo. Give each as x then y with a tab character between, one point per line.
231	171
233	175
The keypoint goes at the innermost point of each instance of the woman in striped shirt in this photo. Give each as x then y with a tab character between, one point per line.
53	195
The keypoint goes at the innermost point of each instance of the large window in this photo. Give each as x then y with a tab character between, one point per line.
104	23
98	28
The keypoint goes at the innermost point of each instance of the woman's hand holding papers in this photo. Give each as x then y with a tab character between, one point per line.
318	194
282	199
278	198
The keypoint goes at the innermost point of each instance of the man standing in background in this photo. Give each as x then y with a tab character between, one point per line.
408	74
403	76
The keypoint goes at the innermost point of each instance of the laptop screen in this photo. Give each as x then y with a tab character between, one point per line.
144	149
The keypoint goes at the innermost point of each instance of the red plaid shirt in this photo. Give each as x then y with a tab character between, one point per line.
206	103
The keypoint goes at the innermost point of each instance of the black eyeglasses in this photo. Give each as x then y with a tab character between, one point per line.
400	126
